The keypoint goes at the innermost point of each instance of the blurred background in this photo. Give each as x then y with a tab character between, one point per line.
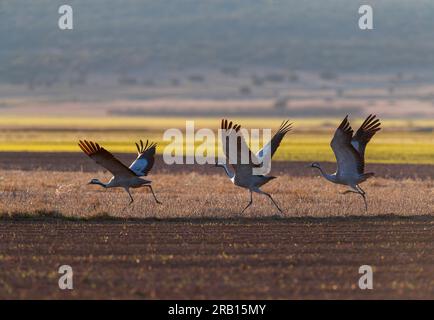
136	64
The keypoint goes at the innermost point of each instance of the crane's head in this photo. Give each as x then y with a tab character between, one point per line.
220	165
315	165
96	181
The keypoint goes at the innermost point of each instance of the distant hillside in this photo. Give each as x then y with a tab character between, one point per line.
132	35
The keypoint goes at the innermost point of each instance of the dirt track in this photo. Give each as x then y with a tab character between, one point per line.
195	259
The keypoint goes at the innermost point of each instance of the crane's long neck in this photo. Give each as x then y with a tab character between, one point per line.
329	177
230	174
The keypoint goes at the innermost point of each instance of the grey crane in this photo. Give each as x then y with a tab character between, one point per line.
349	151
123	176
242	174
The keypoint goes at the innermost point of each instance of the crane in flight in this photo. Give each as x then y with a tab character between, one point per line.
242	174
349	151
123	176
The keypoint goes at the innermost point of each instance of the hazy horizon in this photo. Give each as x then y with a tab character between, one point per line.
138	36
262	58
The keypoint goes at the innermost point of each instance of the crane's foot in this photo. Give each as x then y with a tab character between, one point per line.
280	214
242	211
153	194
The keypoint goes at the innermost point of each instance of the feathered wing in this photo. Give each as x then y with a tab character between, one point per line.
274	143
366	131
348	159
236	159
145	159
105	159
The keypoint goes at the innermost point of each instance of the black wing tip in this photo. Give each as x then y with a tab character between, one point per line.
371	124
285	127
143	147
89	147
345	125
289	124
344	120
225	125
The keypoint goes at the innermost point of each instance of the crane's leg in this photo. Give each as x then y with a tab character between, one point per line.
152	190
269	196
354	190
358	191
132	200
364	200
250	203
363	194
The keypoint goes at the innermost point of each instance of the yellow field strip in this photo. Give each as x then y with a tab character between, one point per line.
309	141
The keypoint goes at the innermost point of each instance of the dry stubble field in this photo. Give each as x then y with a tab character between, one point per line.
196	245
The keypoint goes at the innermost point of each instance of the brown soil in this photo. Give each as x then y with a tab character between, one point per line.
196	245
265	258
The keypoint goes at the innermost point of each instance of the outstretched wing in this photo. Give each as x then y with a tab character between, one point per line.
241	158
274	143
145	159
348	159
366	131
105	159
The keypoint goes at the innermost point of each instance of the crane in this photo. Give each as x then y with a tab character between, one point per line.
349	151
123	176
242	174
